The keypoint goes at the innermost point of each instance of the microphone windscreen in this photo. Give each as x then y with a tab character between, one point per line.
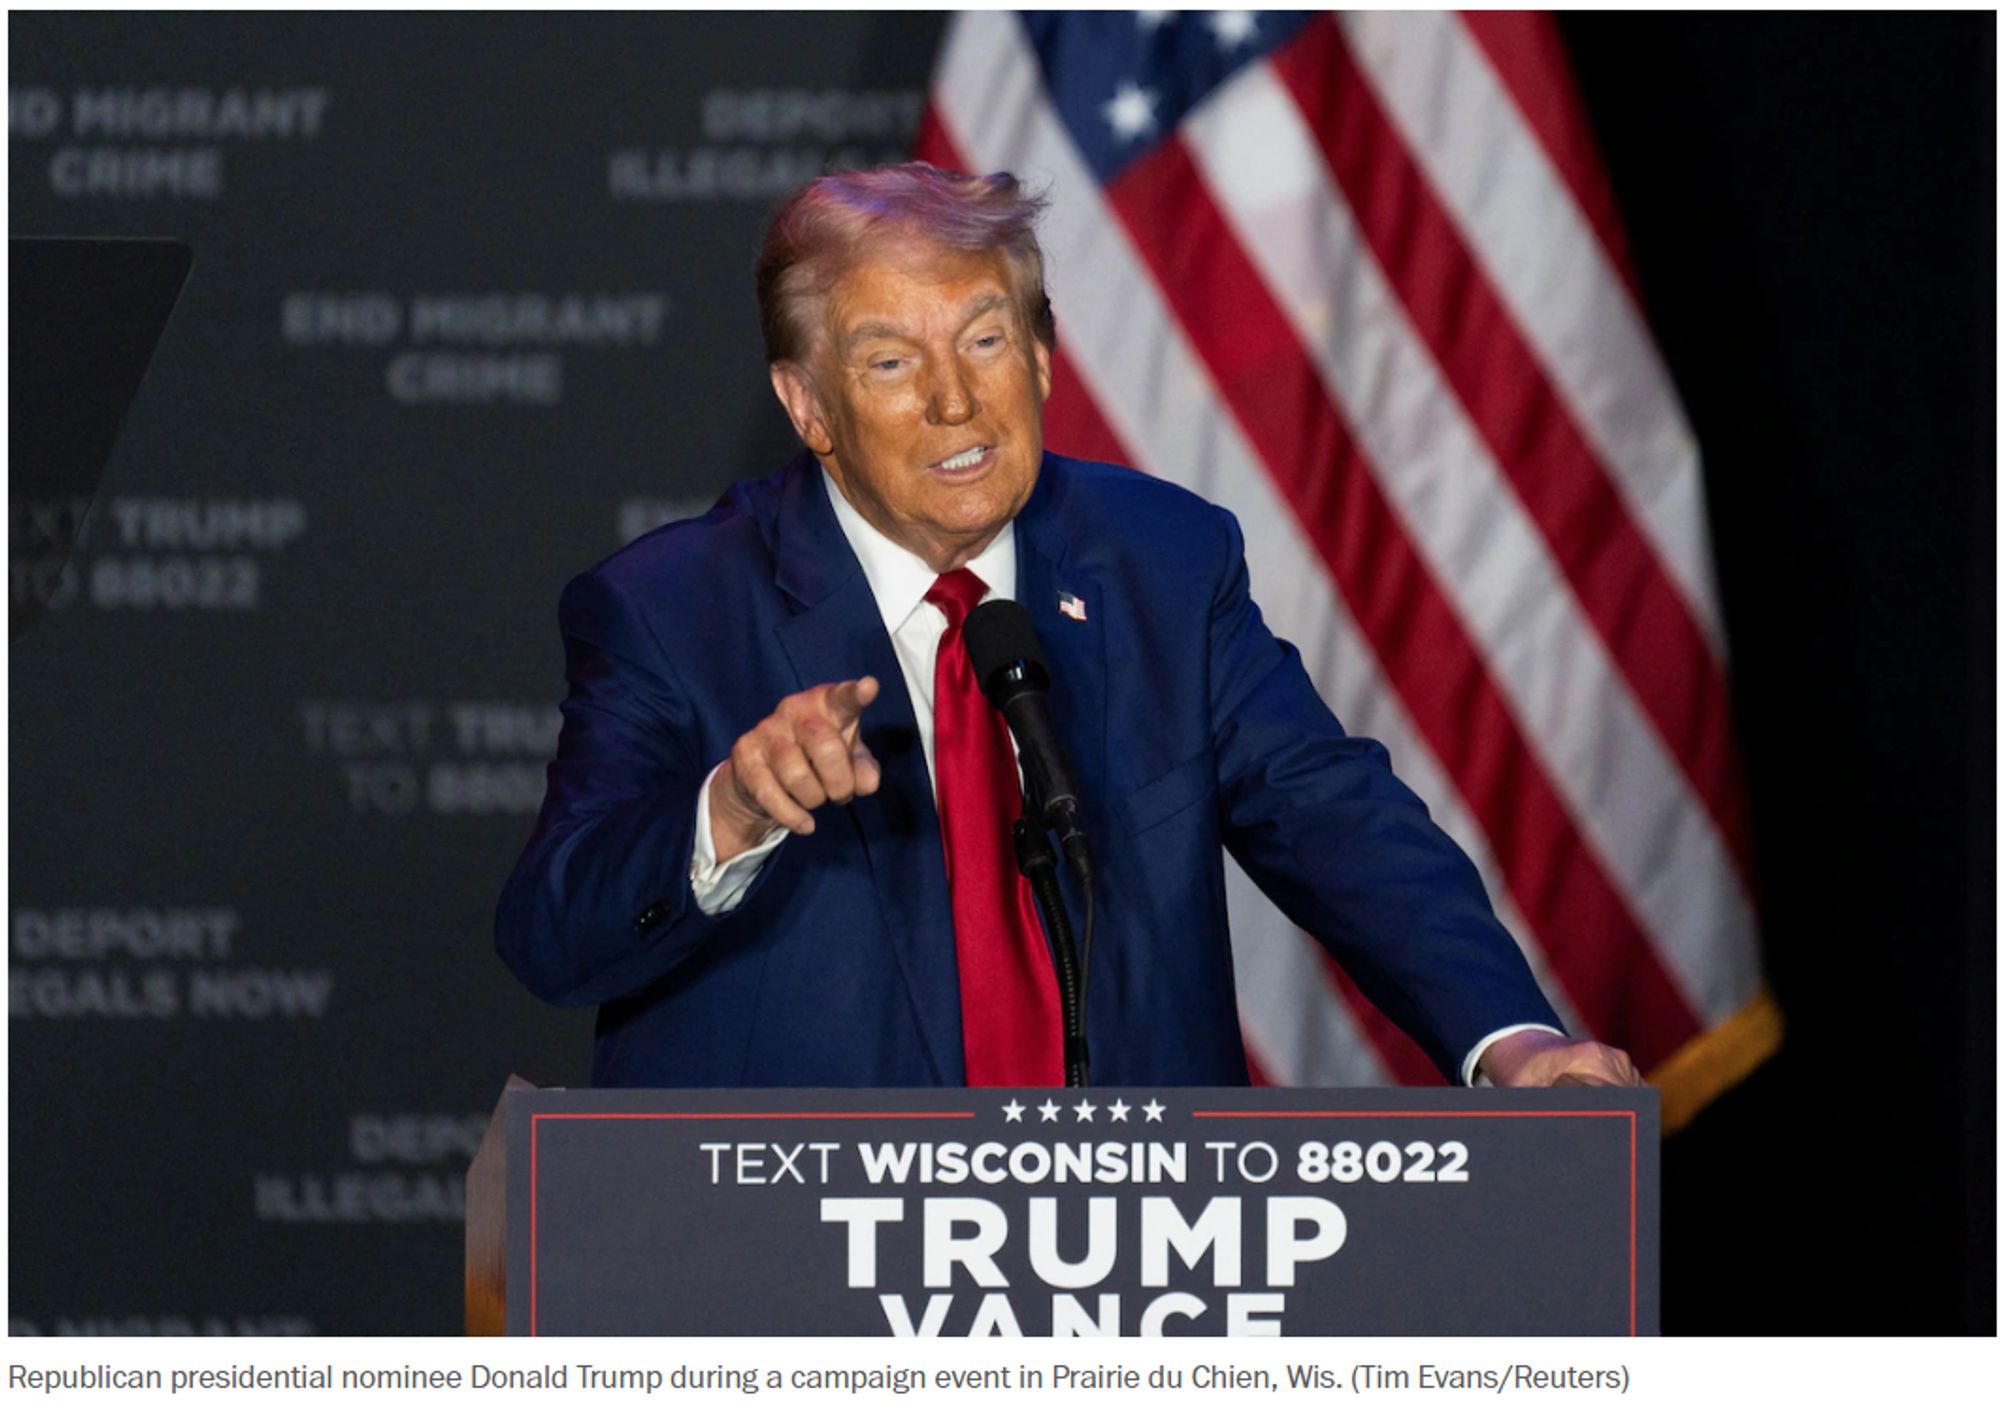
997	635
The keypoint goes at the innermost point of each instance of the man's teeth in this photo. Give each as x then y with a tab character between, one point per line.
964	460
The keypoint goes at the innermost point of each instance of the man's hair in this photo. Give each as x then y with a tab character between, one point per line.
827	224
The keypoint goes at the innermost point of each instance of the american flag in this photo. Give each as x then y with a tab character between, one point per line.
1360	279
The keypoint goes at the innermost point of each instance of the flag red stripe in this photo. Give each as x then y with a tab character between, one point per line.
1593	942
1071	421
1260	1073
1526	51
1655	640
934	142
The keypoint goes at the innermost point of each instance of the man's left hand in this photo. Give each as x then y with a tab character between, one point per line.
1537	1059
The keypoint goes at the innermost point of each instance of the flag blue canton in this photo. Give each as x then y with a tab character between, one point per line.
1122	81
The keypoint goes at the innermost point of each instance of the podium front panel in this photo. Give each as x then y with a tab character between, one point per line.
1101	1211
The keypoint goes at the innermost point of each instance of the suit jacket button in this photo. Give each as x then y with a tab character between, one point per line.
652	915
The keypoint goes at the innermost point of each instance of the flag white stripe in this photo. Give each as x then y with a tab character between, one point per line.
1625	791
1131	354
1536	244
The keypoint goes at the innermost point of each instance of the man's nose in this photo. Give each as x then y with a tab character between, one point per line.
952	401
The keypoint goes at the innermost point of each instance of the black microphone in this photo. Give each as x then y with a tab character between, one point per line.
1008	660
1012	671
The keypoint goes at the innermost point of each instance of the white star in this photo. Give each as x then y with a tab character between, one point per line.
1013	1110
1048	1110
1233	28
1150	20
1084	1110
1154	1111
1130	113
1118	1110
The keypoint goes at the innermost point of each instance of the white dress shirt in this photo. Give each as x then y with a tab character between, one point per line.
899	579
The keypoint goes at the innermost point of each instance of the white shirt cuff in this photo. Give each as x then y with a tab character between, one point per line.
719	886
1470	1073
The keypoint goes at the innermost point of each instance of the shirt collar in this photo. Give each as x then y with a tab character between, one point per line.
899	578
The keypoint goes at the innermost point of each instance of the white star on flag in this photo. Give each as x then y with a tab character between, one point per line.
1085	1110
1154	1111
1130	112
1118	1109
1013	1110
1233	28
1048	1110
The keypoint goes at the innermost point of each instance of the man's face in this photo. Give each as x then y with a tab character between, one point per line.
924	397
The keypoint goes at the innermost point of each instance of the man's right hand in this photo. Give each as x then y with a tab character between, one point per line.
805	753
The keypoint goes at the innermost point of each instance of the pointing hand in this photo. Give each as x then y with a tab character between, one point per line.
804	754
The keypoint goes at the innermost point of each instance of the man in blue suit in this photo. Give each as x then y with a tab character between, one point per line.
765	852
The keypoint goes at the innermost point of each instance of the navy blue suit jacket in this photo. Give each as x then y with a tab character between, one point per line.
1190	727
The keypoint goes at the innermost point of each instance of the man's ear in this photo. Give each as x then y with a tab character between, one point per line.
801	403
1042	376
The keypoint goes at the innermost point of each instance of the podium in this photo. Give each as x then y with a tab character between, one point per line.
1095	1211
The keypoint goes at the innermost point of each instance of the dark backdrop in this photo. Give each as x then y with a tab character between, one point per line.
1810	201
274	746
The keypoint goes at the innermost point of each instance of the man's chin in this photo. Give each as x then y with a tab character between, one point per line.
959	538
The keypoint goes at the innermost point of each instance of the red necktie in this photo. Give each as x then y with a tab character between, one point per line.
1006	980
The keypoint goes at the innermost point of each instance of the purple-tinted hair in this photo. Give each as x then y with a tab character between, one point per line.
824	225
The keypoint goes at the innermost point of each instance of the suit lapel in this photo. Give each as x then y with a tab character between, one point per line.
834	634
1045	571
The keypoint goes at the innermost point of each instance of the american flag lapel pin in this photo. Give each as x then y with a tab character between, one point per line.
1071	606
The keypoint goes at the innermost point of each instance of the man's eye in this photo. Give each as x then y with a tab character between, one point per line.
887	364
991	340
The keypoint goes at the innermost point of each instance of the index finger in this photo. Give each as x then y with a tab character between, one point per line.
846	701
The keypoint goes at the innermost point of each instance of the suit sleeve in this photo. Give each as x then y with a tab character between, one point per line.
600	905
1320	823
